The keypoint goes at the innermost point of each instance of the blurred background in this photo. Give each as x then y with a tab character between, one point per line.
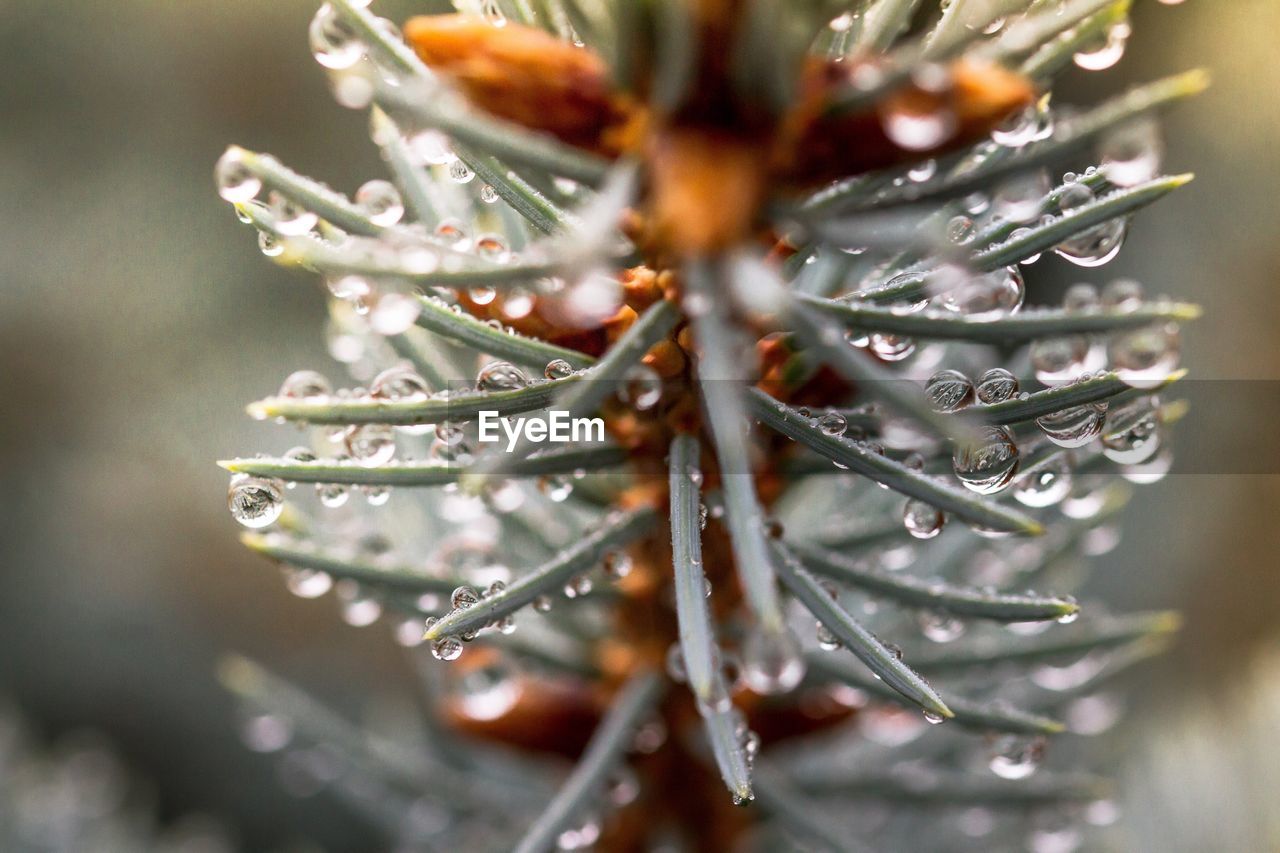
137	317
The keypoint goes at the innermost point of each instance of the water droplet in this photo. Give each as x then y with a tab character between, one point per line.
1145	357
543	603
827	641
989	295
987	465
266	732
939	627
394	313
463	597
460	172
446	648
1018	199
371	445
1059	360
919	131
641	387
1045	486
949	391
1132	434
1123	294
501	376
1073	427
1107	51
270	245
618	564
307	583
922	520
675	664
334	43
1097	246
491	247
1031	125
488	194
996	386
236	183
488	692
557	487
891	347
255	502
960	230
381	202
1015	756
292	219
454	234
1131	155
332	495
833	423
398	382
305	385
578	586
922	171
1081	297
558	369
771	662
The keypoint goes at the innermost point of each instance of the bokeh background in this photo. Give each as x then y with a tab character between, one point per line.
137	317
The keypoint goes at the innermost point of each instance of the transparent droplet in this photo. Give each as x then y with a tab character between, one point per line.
618	564
989	295
454	234
988	464
266	732
398	382
446	648
464	597
334	43
501	376
833	423
558	369
371	445
332	495
1073	427
307	583
1081	298
1016	756
922	520
1097	246
557	487
771	662
1045	486
394	313
488	194
675	664
543	603
1123	294
919	131
255	502
939	628
292	219
236	183
827	641
578	586
1107	51
270	245
381	202
1131	155
488	692
949	391
1147	356
1018	199
1131	434
460	172
641	387
960	230
891	347
1059	360
996	386
491	247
